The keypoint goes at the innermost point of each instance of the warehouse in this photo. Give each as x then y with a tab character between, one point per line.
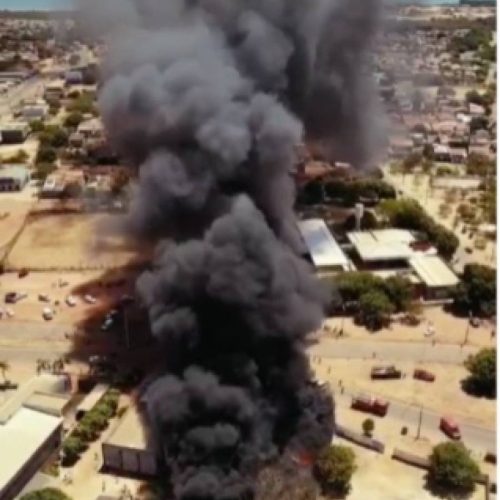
13	177
127	450
321	247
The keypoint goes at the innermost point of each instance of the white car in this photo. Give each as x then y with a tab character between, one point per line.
9	313
90	299
47	313
71	300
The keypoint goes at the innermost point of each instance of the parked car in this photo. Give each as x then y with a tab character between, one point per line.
43	297
47	313
491	457
370	404
23	272
90	299
13	297
450	428
71	300
468	249
385	372
425	375
8	385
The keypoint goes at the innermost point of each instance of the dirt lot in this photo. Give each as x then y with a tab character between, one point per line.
441	395
71	241
29	310
14	208
378	477
449	329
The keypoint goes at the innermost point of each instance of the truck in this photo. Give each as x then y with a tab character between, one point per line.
450	428
385	372
370	404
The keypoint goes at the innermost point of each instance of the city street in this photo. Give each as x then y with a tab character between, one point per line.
29	89
401	414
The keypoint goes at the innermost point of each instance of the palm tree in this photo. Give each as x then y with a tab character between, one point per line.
4	366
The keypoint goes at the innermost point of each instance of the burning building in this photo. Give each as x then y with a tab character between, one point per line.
210	99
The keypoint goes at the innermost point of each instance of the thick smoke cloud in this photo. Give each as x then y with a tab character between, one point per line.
210	99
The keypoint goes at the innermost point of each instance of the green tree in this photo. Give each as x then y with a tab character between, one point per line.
46	154
43	170
482	369
71	448
37	126
399	292
368	426
334	468
476	294
73	120
452	469
46	494
375	310
53	136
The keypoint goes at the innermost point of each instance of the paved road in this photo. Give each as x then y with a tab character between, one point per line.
397	351
29	89
473	436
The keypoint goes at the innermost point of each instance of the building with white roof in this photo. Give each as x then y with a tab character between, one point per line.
30	430
387	247
436	277
324	251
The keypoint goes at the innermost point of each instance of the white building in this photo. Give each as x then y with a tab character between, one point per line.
437	278
324	251
387	247
30	430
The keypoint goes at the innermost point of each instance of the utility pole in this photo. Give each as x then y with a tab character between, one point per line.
419	421
467	328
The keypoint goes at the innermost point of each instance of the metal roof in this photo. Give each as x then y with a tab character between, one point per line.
433	271
21	436
130	432
324	250
384	244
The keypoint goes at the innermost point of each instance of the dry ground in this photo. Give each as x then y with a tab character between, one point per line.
29	310
378	477
441	395
449	329
72	241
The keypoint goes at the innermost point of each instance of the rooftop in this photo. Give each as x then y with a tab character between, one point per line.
323	248
385	244
16	171
22	435
433	271
130	432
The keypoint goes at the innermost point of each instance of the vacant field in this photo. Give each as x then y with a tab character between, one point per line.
378	477
448	329
14	208
71	242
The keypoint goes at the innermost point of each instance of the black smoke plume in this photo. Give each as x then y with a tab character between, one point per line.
210	98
